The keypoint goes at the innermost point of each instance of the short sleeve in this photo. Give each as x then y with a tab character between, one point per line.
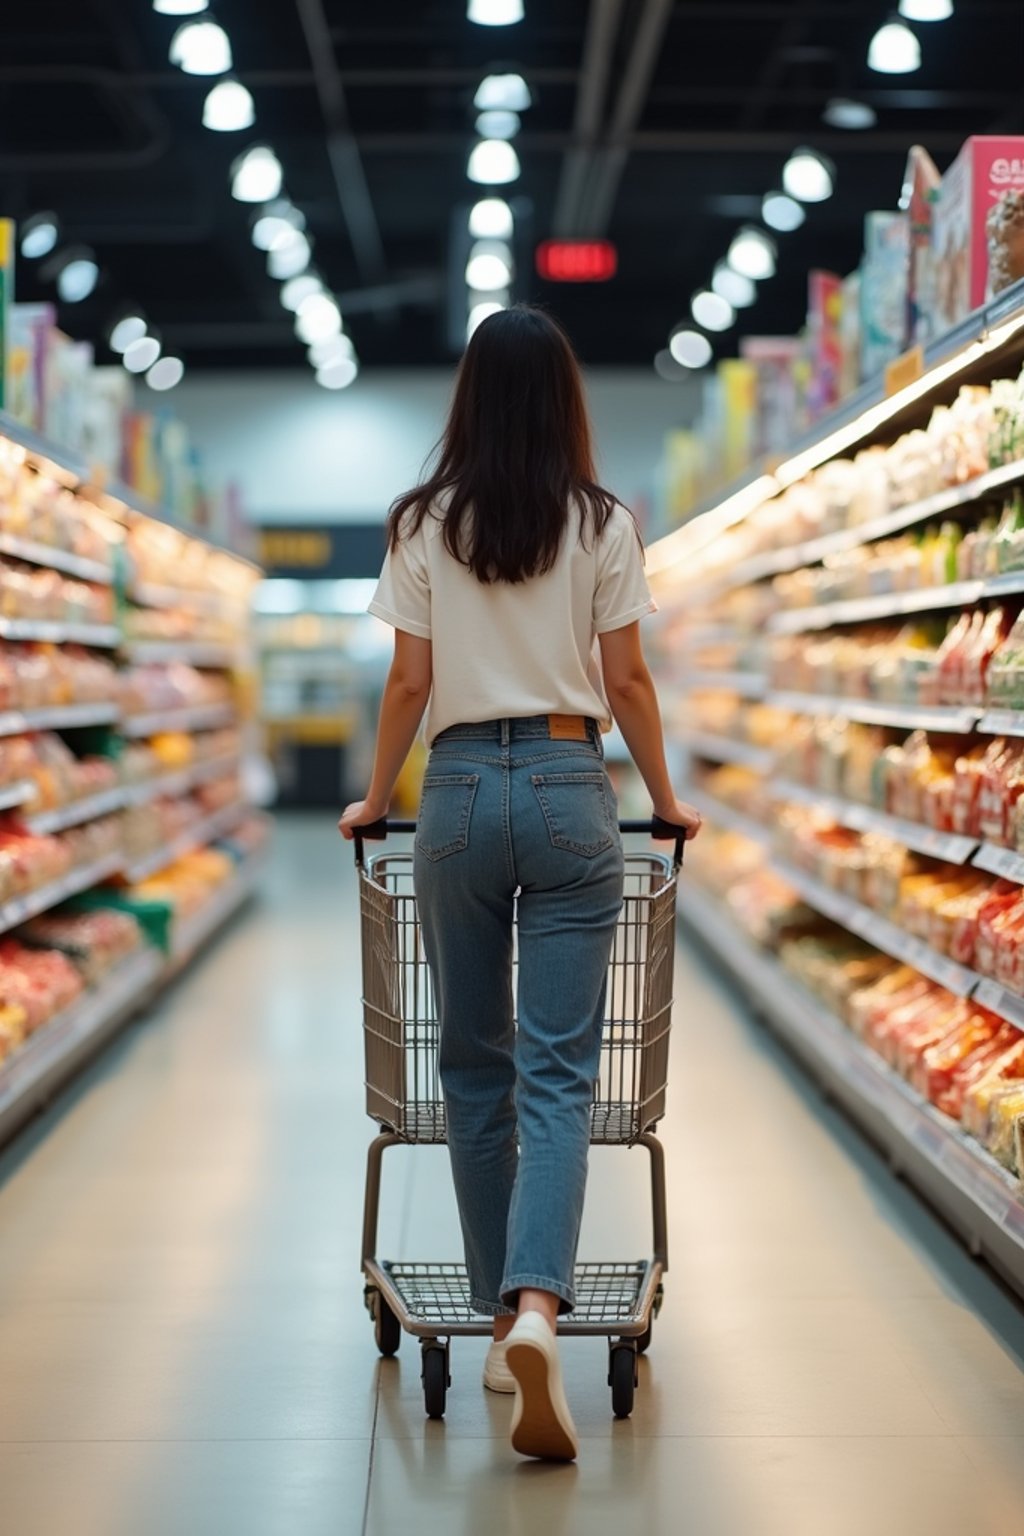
402	598
621	594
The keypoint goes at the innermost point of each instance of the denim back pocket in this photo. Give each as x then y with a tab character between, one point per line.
442	826
577	811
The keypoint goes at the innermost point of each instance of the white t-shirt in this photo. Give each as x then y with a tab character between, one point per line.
511	651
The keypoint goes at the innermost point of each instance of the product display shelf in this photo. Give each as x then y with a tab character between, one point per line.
77	812
191	933
953	847
55	632
12	795
912	717
1002	722
718	813
20	908
980	1198
882	605
747	685
726	749
172	784
56	559
200	717
197	653
197	836
16	722
149	594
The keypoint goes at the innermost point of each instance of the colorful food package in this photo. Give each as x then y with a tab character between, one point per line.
938	1072
979	226
881	994
921	187
883	290
1006	1115
974	931
849	336
825	297
1003	1076
906	1048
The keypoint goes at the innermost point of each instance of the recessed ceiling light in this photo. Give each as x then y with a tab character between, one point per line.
318	317
39	235
79	273
711	311
844	112
782	212
739	290
690	348
926	10
130	327
752	254
493	162
894	50
491	219
142	354
489	267
495	13
201	48
808	176
509	92
228	108
166	373
180	7
256	176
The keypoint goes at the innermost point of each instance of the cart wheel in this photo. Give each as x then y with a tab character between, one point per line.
436	1380
387	1330
622	1377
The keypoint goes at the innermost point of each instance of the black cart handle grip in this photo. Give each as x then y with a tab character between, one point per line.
661	831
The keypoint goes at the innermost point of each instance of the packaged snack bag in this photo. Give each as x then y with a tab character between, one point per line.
935	1074
1004	1075
1005	1116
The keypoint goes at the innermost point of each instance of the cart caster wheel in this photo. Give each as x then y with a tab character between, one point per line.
387	1330
622	1377
436	1380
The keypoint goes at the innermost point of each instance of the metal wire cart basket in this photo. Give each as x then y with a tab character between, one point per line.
403	1094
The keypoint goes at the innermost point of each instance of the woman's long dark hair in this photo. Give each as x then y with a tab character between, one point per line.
516	456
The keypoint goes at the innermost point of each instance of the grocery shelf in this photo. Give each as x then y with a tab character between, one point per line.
724	749
150	594
1005	862
955	594
12	795
76	813
180	783
20	908
191	933
16	722
200	717
954	847
56	559
196	653
55	632
718	813
1002	722
979	1197
911	717
197	836
749	685
38	447
878	930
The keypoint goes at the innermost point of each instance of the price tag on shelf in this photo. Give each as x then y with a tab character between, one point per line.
904	370
1000	861
1002	722
990	994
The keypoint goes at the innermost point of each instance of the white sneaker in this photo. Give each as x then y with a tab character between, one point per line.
497	1376
541	1422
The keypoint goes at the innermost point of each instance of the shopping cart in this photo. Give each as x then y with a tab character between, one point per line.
619	1300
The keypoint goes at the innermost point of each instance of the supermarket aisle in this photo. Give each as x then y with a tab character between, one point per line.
183	1350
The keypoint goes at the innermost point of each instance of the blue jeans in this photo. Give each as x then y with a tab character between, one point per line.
516	825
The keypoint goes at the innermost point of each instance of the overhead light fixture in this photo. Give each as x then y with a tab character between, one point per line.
39	235
298	289
493	163
140	356
739	290
165	373
508	92
338	374
256	176
498	124
752	254
926	10
491	219
894	50
78	274
489	266
782	212
495	13
228	108
808	176
481	312
844	112
180	7
276	223
690	349
289	256
711	311
201	48
330	347
128	328
318	318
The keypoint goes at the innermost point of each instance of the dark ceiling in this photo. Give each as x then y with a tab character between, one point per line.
703	101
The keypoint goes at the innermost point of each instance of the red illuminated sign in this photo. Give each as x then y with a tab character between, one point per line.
577	261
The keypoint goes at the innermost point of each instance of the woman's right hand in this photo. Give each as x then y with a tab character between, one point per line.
678	814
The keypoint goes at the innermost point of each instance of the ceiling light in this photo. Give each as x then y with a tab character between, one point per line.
201	48
298	289
510	92
843	112
39	235
498	124
894	50
256	175
491	219
166	373
808	176
739	290
493	163
128	328
481	312
276	222
329	347
489	266
338	374
495	13
140	356
752	254
180	7
290	256
782	212
712	311
228	108
690	348
318	317
926	10
78	275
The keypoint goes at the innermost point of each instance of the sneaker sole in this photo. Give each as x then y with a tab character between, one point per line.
537	1430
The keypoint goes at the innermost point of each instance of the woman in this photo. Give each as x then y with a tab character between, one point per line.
502	568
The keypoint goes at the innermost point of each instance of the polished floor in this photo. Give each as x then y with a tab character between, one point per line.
183	1349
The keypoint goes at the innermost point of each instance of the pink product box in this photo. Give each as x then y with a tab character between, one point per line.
979	226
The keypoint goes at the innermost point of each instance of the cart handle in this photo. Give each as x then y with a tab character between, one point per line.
661	831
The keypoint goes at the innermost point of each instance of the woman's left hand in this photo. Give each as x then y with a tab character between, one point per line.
361	813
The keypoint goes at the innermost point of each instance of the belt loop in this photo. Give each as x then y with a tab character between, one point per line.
506	732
